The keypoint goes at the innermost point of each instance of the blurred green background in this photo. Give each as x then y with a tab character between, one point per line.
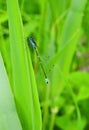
61	30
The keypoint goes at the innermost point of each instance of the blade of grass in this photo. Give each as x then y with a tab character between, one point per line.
4	51
8	116
34	93
45	25
74	100
53	114
71	26
22	78
59	54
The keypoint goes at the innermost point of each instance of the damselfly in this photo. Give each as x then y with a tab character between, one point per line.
34	45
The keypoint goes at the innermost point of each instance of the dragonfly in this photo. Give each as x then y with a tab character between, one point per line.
32	42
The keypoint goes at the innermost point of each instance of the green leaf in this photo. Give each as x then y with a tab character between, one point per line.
65	123
24	88
81	81
8	116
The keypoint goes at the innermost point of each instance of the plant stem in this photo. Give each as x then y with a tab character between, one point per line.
53	115
45	117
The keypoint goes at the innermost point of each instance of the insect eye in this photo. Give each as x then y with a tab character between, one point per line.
31	38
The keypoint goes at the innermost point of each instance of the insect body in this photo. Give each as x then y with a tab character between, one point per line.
34	45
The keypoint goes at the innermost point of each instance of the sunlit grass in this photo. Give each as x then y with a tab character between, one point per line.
57	28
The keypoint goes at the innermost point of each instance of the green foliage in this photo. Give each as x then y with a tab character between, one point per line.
57	28
85	23
24	86
8	116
